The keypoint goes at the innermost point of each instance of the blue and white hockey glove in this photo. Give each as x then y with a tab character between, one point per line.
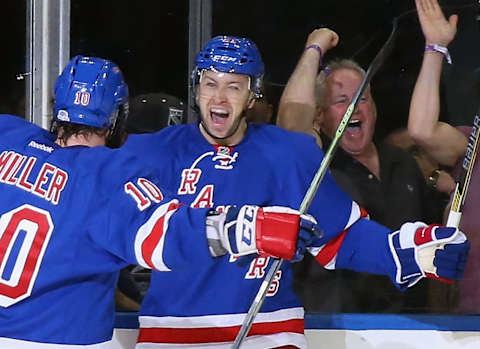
428	251
271	231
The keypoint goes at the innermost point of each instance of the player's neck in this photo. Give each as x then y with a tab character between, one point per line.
90	140
233	140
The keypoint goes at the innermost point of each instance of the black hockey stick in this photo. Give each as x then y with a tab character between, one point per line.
461	188
317	179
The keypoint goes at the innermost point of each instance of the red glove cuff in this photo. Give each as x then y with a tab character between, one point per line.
277	233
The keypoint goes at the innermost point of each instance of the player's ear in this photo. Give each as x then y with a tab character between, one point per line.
251	101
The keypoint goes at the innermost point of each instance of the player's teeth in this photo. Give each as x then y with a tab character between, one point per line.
219	111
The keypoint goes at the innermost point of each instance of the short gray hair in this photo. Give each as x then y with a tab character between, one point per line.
332	66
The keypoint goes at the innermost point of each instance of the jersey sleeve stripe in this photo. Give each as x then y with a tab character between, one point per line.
150	237
327	254
356	213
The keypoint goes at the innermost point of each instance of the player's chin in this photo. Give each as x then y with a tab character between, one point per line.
219	133
221	126
216	131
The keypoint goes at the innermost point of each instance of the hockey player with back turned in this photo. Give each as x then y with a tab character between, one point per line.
74	213
222	160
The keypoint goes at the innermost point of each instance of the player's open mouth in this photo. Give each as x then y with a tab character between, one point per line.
219	116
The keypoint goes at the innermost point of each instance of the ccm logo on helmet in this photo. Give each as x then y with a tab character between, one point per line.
224	58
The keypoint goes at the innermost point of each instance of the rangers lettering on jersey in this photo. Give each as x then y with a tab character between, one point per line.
257	268
204	198
257	271
191	176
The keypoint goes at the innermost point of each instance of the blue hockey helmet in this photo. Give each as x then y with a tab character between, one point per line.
89	92
231	54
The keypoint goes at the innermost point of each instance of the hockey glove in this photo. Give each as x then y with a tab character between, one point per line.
428	251
271	231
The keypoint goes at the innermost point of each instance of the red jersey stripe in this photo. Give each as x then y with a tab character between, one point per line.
330	250
151	241
215	334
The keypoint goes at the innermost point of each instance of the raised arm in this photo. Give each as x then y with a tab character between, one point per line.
297	107
442	141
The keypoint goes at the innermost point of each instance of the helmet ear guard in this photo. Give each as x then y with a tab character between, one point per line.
117	134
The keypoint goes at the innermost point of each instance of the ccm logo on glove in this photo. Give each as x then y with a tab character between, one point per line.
248	224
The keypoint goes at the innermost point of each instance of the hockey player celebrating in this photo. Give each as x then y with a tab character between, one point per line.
73	214
222	160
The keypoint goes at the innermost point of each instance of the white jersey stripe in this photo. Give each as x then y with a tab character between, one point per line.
226	320
146	230
355	215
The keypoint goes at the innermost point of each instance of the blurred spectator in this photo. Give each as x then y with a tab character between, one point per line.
153	111
262	110
446	144
372	171
437	178
385	180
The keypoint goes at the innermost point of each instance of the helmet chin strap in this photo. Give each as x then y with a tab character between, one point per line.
205	128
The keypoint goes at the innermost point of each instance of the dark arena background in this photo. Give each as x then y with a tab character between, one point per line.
149	41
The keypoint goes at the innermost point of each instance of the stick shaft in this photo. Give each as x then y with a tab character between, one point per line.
461	188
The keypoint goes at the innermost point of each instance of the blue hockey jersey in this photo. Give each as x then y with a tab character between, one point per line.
270	166
71	218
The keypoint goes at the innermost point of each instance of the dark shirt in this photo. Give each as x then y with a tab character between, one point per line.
401	195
